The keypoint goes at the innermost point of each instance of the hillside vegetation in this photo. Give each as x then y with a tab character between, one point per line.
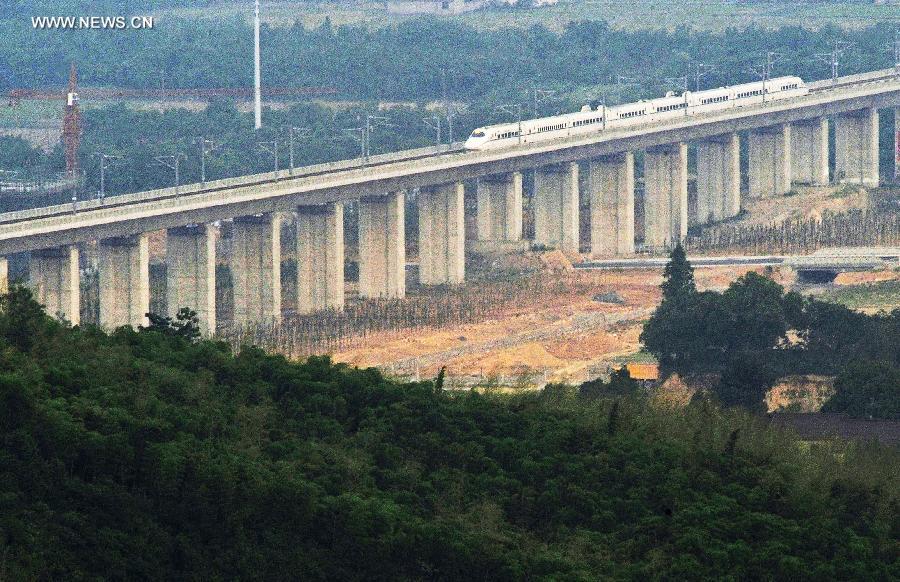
753	333
147	455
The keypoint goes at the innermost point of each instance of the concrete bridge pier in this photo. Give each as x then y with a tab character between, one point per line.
55	278
124	281
556	207
718	178
809	152
856	148
611	180
191	273
382	247
4	275
770	161
442	234
500	208
665	195
897	145
320	257
256	268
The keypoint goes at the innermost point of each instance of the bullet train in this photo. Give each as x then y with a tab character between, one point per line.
669	107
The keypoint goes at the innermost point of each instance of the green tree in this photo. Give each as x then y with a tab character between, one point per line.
185	325
620	384
745	382
867	389
678	276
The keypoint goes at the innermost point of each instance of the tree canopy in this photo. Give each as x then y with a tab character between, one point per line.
149	455
754	332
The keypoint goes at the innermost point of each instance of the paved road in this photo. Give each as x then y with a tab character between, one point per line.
656	263
832	259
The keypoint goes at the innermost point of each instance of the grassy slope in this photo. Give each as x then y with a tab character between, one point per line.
879	295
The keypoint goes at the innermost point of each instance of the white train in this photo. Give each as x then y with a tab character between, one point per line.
669	107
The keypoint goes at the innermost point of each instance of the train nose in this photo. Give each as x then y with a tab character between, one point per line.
473	143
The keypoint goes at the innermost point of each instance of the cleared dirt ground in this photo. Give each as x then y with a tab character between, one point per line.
564	338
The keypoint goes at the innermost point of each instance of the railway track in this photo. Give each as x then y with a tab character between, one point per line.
111	202
270	179
827	86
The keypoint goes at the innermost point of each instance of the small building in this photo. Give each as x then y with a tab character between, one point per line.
445	7
643	372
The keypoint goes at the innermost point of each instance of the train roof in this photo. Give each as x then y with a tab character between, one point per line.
654	101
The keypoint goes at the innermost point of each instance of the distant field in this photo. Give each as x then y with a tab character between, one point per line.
629	14
869	296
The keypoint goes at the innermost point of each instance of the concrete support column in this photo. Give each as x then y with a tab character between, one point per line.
770	161
124	281
809	152
4	275
256	269
500	207
55	278
856	148
556	207
320	257
442	234
382	247
611	180
897	145
718	178
665	195
191	273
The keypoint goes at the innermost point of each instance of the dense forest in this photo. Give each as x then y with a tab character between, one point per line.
150	455
405	61
753	333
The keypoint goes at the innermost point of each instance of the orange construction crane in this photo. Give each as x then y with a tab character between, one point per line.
71	132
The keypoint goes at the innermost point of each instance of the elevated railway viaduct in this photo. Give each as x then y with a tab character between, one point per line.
787	143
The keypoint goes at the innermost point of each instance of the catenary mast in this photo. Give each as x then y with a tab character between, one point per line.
257	97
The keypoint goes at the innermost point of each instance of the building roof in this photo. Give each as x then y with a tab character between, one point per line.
643	371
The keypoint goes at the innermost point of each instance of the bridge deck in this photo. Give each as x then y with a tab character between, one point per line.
348	180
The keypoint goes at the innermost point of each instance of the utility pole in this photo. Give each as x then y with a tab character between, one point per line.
434	122
270	147
894	49
765	71
302	132
448	108
361	138
514	109
369	128
173	162
681	83
832	59
104	165
257	77
603	105
700	71
206	146
897	51
539	95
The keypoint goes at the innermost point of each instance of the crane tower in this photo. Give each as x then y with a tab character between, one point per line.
71	133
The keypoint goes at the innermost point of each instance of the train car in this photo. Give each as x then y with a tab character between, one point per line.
671	106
